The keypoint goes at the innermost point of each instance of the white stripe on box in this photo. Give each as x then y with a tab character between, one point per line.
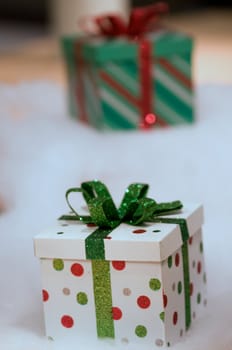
182	65
92	102
172	85
167	113
119	106
126	79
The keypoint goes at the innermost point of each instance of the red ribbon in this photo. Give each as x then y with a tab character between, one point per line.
141	21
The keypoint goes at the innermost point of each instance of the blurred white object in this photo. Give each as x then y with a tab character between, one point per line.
65	14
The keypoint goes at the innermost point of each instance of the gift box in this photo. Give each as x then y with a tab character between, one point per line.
134	282
124	82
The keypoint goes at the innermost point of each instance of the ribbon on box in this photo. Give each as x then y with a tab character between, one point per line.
135	209
141	21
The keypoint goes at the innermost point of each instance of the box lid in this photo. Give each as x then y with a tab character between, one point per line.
100	50
152	242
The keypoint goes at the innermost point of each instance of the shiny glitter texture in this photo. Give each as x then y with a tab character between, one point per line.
135	207
103	298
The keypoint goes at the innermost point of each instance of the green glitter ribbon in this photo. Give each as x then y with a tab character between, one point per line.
135	209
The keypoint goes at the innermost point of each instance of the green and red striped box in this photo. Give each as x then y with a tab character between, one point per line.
108	86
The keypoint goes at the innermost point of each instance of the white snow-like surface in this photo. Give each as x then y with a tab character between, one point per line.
43	152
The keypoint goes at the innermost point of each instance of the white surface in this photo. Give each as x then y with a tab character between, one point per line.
123	245
42	153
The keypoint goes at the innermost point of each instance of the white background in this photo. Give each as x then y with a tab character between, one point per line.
42	153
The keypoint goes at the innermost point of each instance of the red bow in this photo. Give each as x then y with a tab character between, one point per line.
140	20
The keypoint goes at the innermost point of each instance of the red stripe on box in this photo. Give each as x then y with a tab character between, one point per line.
120	89
176	73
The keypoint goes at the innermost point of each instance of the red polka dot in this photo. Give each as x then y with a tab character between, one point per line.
177	259
67	321
45	295
119	265
117	313
143	302
191	289
199	267
77	269
139	231
175	318
190	240
165	300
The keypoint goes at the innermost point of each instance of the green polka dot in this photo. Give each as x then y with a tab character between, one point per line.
179	287
162	316
170	261
141	331
82	298
201	247
198	298
58	264
155	284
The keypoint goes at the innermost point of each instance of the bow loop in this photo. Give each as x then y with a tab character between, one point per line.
135	208
144	211
75	216
142	17
130	200
167	208
94	189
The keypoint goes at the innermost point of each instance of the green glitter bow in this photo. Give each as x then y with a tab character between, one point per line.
135	208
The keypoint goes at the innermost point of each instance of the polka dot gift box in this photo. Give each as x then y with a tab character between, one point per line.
134	275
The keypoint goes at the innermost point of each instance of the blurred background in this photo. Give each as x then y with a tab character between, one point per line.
29	32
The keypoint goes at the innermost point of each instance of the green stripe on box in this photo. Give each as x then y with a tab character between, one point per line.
125	74
174	80
116	120
119	91
103	298
167	113
173	85
173	101
185	256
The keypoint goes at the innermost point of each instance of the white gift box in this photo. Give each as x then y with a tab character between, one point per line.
148	289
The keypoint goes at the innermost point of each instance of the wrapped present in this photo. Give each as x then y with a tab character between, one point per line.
130	77
134	275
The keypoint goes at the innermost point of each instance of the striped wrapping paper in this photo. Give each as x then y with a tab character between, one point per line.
105	80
